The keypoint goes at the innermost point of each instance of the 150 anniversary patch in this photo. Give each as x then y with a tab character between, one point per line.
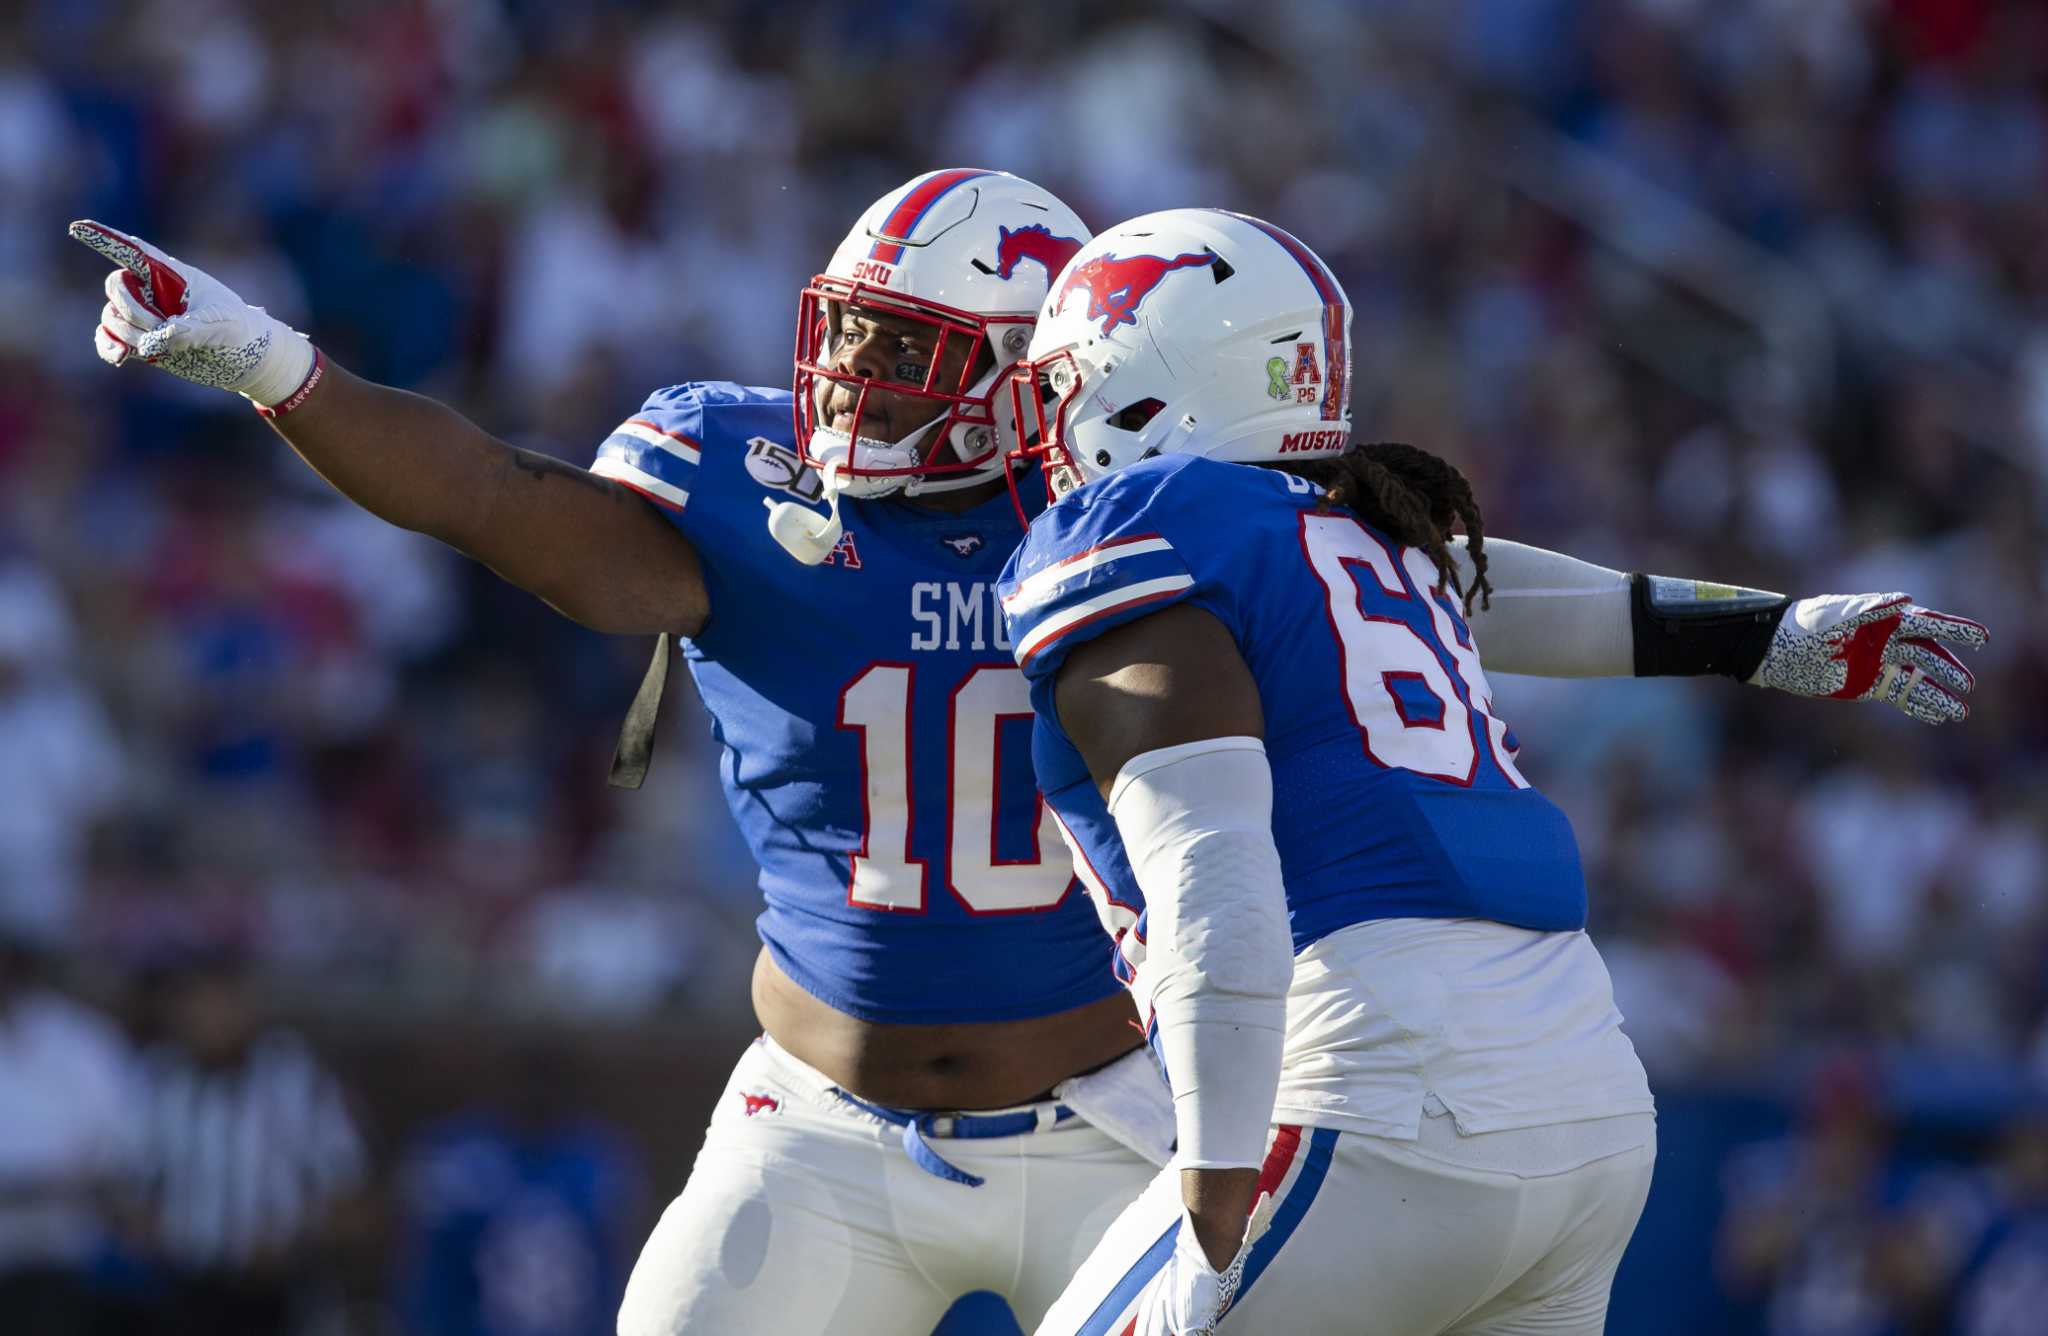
778	467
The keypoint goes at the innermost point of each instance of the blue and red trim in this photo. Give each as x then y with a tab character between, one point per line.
911	209
1322	1144
1281	1154
1118	609
1120	1299
1336	361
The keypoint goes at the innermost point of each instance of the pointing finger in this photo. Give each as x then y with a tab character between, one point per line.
162	288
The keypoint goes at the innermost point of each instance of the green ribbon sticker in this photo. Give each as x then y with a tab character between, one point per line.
1276	379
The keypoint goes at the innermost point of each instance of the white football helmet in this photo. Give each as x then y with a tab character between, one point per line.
966	256
1192	330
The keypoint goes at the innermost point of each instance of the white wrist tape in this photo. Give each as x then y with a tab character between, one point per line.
1552	615
284	369
1197	822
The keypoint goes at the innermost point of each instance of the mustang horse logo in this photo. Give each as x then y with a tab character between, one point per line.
1117	285
1036	242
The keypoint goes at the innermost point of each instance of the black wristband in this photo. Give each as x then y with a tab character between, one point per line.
1685	628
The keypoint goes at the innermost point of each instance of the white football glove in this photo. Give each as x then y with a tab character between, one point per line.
184	320
1189	1297
1873	647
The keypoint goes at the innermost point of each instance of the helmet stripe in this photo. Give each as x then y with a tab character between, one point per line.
911	209
1336	367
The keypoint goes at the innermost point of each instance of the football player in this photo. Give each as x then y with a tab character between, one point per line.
1354	931
925	949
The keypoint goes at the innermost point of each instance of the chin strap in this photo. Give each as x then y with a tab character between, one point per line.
801	531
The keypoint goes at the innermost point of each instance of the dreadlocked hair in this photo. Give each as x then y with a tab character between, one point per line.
1412	496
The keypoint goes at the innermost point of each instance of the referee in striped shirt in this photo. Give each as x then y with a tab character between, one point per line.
251	1149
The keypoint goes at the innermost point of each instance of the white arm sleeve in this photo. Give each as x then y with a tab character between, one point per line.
1197	822
1552	615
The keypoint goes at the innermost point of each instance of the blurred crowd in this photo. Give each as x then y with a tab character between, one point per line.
1745	289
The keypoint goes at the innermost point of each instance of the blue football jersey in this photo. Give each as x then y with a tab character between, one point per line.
1395	792
876	732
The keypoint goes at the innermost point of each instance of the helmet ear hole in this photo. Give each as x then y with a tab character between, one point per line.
1133	417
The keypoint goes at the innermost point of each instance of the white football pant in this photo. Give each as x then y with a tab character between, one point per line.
805	1215
1504	1234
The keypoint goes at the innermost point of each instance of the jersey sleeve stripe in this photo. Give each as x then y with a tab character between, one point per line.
663	494
677	444
1072	618
1038	588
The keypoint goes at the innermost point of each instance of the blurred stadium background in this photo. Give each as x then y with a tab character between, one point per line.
1754	289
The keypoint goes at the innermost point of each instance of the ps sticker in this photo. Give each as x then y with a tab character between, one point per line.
1308	381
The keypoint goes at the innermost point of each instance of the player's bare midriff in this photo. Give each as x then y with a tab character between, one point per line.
989	1065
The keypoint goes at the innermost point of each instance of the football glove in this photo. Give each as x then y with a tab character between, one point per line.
1189	1296
1873	647
184	320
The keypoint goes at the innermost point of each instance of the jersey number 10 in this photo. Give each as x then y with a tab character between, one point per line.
885	876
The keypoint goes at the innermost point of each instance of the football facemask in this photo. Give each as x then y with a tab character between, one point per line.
954	265
893	390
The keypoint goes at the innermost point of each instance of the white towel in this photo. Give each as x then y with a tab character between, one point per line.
1129	1100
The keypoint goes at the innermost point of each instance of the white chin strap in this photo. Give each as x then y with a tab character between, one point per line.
803	533
891	460
810	538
